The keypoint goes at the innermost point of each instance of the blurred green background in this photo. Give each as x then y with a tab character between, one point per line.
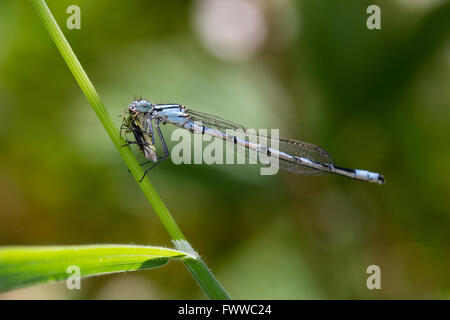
374	99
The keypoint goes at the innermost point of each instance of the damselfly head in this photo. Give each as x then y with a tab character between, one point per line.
140	106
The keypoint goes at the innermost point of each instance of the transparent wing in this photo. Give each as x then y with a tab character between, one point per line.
289	146
305	150
213	121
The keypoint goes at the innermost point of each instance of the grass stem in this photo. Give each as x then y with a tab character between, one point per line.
197	267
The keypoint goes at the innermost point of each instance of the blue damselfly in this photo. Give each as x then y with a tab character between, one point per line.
143	119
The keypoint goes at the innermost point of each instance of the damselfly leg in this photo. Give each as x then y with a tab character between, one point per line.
164	145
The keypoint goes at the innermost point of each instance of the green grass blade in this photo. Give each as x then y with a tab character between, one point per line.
197	267
29	265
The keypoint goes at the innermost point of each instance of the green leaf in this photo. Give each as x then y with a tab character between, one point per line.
29	265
